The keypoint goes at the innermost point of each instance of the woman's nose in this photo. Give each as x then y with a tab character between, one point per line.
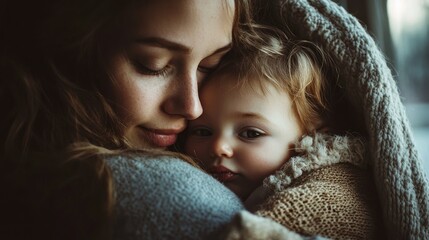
222	147
184	99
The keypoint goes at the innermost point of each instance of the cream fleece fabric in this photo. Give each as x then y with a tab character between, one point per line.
314	152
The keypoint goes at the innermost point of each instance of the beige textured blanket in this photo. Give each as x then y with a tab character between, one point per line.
325	190
338	202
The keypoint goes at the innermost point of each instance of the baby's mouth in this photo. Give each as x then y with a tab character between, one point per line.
222	174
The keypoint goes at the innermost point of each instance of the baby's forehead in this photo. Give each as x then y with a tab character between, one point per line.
233	80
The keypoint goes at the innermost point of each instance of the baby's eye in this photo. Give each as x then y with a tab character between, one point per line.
201	132
251	134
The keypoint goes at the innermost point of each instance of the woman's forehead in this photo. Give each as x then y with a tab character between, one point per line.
204	24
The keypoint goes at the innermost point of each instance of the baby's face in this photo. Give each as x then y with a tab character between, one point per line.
243	135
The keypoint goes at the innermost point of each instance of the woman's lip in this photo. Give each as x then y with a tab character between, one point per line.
165	131
222	173
161	137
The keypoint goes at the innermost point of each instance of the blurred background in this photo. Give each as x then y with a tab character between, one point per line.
401	29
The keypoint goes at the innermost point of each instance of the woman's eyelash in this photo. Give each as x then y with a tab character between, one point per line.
148	71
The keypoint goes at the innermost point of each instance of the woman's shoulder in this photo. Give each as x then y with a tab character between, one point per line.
138	170
162	197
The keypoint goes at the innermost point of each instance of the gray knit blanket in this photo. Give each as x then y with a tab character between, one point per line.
368	83
167	199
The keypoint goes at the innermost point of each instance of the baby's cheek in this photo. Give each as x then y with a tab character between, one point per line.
264	163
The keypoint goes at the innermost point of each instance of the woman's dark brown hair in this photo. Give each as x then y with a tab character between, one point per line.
57	122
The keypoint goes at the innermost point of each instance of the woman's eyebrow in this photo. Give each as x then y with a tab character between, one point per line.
164	43
175	46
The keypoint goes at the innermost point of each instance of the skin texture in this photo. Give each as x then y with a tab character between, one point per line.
157	68
246	131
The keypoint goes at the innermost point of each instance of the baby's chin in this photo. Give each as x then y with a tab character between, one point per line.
242	192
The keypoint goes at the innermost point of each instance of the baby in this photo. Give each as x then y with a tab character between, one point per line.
255	109
261	135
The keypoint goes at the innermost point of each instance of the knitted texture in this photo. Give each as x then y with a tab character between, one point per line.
166	198
336	202
368	83
325	190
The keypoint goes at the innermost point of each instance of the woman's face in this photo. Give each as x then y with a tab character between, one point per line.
162	53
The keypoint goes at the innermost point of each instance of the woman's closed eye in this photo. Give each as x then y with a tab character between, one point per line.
152	71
